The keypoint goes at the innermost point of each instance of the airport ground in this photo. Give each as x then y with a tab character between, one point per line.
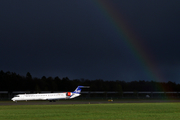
91	101
92	109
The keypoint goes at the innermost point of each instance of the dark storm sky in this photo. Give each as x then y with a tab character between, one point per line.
77	39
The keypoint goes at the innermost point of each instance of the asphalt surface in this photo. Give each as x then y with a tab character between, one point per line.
83	102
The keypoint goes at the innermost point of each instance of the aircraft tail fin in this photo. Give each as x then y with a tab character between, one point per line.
78	89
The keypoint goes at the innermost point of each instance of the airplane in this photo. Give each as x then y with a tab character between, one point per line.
52	97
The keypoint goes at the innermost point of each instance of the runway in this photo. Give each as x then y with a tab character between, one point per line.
60	102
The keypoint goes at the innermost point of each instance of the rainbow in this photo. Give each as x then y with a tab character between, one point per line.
130	39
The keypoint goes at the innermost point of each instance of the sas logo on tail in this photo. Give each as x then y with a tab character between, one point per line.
78	91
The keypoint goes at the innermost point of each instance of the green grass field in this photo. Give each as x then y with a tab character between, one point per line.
121	111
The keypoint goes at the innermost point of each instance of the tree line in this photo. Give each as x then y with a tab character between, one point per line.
10	81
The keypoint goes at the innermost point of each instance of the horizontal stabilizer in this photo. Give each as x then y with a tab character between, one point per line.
84	86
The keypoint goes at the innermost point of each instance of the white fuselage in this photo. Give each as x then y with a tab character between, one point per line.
44	96
49	96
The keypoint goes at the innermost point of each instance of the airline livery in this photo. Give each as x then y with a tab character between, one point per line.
49	96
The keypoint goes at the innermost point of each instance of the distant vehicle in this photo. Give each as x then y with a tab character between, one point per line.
52	97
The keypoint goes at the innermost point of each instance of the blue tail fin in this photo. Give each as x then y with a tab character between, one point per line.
78	89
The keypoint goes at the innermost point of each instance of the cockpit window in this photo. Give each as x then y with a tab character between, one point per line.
16	96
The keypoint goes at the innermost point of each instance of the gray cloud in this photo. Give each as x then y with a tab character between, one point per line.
76	39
